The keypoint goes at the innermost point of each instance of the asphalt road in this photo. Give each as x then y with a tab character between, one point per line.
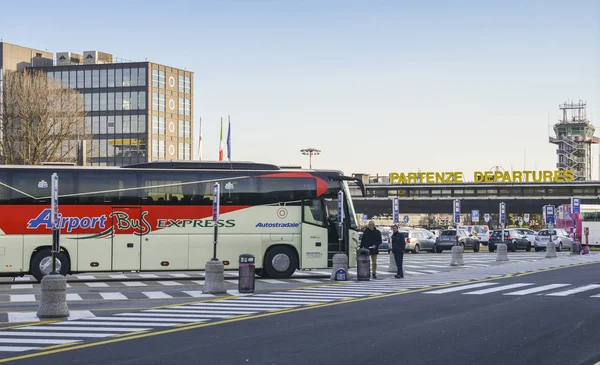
458	326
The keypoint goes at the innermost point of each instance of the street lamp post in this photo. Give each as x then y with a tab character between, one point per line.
310	152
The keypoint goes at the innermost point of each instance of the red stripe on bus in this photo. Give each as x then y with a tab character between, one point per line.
321	184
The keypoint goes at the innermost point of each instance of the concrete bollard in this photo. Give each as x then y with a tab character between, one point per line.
393	267
576	249
502	252
551	250
340	261
457	256
214	282
53	303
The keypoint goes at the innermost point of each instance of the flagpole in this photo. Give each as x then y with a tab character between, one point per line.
200	142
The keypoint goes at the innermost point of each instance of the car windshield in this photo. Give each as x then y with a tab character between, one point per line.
448	233
496	234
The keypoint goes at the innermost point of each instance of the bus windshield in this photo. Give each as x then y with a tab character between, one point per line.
352	212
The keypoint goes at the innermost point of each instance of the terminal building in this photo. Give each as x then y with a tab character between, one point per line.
431	204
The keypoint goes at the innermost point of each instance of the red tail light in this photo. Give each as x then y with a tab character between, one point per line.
508	238
408	240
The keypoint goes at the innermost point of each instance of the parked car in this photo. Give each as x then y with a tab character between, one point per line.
513	239
482	232
529	233
560	237
445	241
419	239
386	241
467	240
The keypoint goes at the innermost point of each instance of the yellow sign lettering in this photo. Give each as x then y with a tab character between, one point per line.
482	177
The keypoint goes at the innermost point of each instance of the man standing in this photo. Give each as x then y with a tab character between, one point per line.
398	247
371	240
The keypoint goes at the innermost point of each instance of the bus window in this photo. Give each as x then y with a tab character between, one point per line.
591	216
239	192
33	186
286	191
313	212
4	191
107	186
174	188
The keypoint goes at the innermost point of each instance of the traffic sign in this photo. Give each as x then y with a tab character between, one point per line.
549	213
520	221
54	201
502	213
340	206
405	219
396	209
475	215
526	217
365	217
457	211
486	217
575	206
215	212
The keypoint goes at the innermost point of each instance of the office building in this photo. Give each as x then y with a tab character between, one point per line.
135	111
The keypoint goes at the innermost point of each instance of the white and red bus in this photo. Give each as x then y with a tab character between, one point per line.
158	216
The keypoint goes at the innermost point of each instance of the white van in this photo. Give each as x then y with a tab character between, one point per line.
481	232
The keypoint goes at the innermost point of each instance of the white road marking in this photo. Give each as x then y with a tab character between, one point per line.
37	340
459	288
498	288
22	298
537	289
16	348
147	276
101	323
179	275
273	281
97	285
85	277
118	276
157	295
134	317
574	291
21	286
134	283
52	334
73	297
98	329
113	296
169	283
198	294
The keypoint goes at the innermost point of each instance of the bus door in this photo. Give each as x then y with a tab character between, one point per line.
314	235
334	245
127	232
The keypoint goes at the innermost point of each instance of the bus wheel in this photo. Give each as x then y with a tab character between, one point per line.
259	272
280	262
41	264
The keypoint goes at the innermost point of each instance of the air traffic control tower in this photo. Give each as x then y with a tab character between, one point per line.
574	138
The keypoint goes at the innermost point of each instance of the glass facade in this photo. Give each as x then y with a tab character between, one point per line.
135	112
115	101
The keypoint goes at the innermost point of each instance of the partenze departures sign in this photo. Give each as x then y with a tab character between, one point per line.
453	177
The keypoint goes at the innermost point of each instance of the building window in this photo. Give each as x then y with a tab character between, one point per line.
188	85
119	77
95	102
80	80
184	106
171	104
111	78
158	125
127	100
134	77
126	78
158	148
88	102
102	78
72	79
184	129
119	101
158	78
171	81
95	78
134	100
111	101
142	100
103	102
141	77
184	151
181	82
65	79
158	102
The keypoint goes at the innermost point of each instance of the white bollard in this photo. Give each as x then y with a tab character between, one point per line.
340	261
393	267
551	250
457	256
53	303
502	252
214	282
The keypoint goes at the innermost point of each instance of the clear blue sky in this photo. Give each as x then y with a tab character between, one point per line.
378	86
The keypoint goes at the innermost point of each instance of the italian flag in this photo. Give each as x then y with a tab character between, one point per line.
221	147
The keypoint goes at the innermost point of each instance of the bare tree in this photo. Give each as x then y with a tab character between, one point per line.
39	120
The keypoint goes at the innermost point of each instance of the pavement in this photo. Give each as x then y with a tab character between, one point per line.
525	312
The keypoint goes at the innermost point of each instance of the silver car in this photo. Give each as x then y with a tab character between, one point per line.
419	239
560	237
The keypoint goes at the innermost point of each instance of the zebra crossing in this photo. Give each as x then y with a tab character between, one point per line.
86	327
527	288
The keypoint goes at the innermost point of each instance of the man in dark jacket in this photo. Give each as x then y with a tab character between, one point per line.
398	247
371	240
